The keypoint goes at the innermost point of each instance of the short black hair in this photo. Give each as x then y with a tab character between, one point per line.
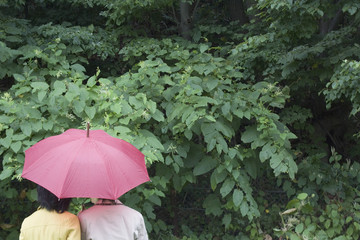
51	202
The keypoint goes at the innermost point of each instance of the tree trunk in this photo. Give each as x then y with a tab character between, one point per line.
237	11
328	24
185	20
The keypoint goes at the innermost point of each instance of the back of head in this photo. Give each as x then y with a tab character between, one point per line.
50	202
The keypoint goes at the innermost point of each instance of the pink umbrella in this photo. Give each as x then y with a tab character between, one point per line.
80	163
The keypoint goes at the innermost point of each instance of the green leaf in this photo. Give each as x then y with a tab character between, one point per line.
226	220
226	108
211	83
79	106
122	129
227	187
348	219
151	139
266	152
327	223
32	195
41	95
293	236
18	137
15	146
26	128
302	196
244	208
208	129
222	127
6	142
275	161
299	228
78	68
39	85
58	52
203	48
155	199
19	77
205	165
7	172
158	116
48	125
116	108
36	126
238	197
212	205
22	90
90	111
249	135
91	81
59	88
135	102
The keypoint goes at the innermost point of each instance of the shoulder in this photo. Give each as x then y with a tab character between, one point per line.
131	212
69	215
39	214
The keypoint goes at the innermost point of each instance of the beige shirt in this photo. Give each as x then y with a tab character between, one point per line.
44	225
112	222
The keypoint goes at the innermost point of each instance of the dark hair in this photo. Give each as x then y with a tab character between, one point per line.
51	202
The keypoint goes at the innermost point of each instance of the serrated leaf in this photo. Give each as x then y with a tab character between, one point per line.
208	129
59	88
122	129
212	205
302	196
135	102
238	197
244	208
91	81
249	135
41	95
226	108
6	173
266	152
158	116
224	129
26	128
116	108
6	142
205	165
275	161
226	220
151	139
48	125
39	85
19	77
78	68
15	146
90	112
155	199
203	48
227	187
22	90
79	106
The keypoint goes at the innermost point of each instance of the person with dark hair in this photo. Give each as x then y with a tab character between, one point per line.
51	220
111	220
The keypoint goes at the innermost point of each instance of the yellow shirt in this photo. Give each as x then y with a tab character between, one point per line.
46	225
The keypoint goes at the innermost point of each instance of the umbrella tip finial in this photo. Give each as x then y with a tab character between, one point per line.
87	129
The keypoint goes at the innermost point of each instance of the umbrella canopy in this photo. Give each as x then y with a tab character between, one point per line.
80	163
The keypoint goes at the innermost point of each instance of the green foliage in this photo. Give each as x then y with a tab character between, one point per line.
302	221
343	84
239	105
50	97
203	110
